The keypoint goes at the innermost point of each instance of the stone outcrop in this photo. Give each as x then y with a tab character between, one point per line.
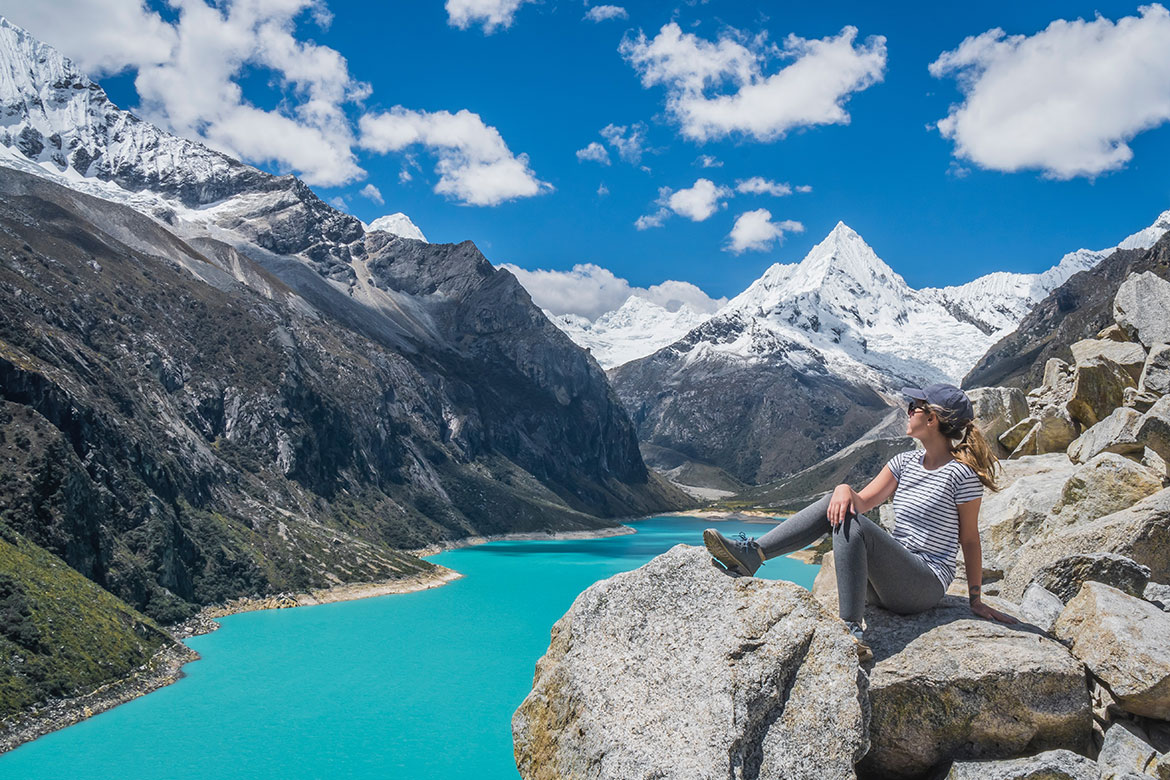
1105	484
1127	354
1065	577
1116	433
1007	519
947	685
1125	754
1142	308
1050	765
1154	429
1155	376
1140	532
1125	642
679	670
1099	387
1040	607
998	409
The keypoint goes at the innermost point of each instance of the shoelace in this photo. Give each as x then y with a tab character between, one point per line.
747	543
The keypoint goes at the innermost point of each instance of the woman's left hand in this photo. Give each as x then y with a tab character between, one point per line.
984	611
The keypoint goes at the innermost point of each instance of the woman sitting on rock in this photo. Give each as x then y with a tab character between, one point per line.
937	492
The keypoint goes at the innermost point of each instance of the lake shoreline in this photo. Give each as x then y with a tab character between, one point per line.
166	665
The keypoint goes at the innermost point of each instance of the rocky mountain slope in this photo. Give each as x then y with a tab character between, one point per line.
244	391
1077	309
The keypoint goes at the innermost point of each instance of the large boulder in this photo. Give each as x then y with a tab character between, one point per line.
1103	485
997	409
680	670
1127	354
1065	577
1126	754
947	685
1040	607
1154	429
1030	487
1125	642
1099	386
1117	433
1142	308
1141	532
1155	376
1050	765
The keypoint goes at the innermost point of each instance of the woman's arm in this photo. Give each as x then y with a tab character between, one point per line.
973	561
846	498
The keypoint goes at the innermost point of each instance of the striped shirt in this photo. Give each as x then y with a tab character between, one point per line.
926	508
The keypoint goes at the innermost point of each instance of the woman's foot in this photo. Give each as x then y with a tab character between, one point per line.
864	651
742	555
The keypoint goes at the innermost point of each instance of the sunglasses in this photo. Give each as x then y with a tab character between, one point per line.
916	406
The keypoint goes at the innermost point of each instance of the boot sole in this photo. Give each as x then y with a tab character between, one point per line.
719	552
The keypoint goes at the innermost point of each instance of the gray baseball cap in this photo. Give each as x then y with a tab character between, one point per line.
950	398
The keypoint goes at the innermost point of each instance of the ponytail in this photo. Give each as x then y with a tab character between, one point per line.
970	448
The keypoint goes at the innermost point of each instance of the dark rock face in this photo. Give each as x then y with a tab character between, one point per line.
217	424
757	420
1078	309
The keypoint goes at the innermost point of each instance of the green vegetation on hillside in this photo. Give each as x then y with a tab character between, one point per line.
61	634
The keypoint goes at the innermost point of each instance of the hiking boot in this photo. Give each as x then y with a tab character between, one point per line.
740	555
864	651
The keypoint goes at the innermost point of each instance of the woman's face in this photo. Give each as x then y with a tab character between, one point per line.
919	420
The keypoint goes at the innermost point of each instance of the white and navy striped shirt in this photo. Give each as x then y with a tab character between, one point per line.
926	508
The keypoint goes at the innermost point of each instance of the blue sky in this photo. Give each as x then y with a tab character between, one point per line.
550	80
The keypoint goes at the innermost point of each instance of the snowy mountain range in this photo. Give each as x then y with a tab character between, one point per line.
846	304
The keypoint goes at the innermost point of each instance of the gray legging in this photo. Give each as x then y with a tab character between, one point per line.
864	553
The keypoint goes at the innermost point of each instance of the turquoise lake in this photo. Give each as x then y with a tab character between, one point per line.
414	685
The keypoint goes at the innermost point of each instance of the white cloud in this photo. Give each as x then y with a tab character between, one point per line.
474	164
188	74
1064	101
590	290
600	13
602	190
492	14
373	193
758	185
699	201
707	161
630	141
101	36
594	152
755	230
802	188
810	90
338	203
647	221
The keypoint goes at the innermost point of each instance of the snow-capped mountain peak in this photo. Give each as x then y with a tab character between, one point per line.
399	224
635	329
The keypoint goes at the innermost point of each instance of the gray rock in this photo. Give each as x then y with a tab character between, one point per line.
1010	439
1050	765
679	670
1154	429
1030	487
1099	386
1141	400
1158	594
1065	577
1126	753
1141	532
1142	308
997	409
1127	354
946	685
1116	433
1057	379
1113	333
1040	607
1155	376
1125	642
1105	484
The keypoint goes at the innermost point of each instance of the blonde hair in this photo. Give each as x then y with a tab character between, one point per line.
969	447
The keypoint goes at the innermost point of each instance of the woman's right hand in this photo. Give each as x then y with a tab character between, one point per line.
840	505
